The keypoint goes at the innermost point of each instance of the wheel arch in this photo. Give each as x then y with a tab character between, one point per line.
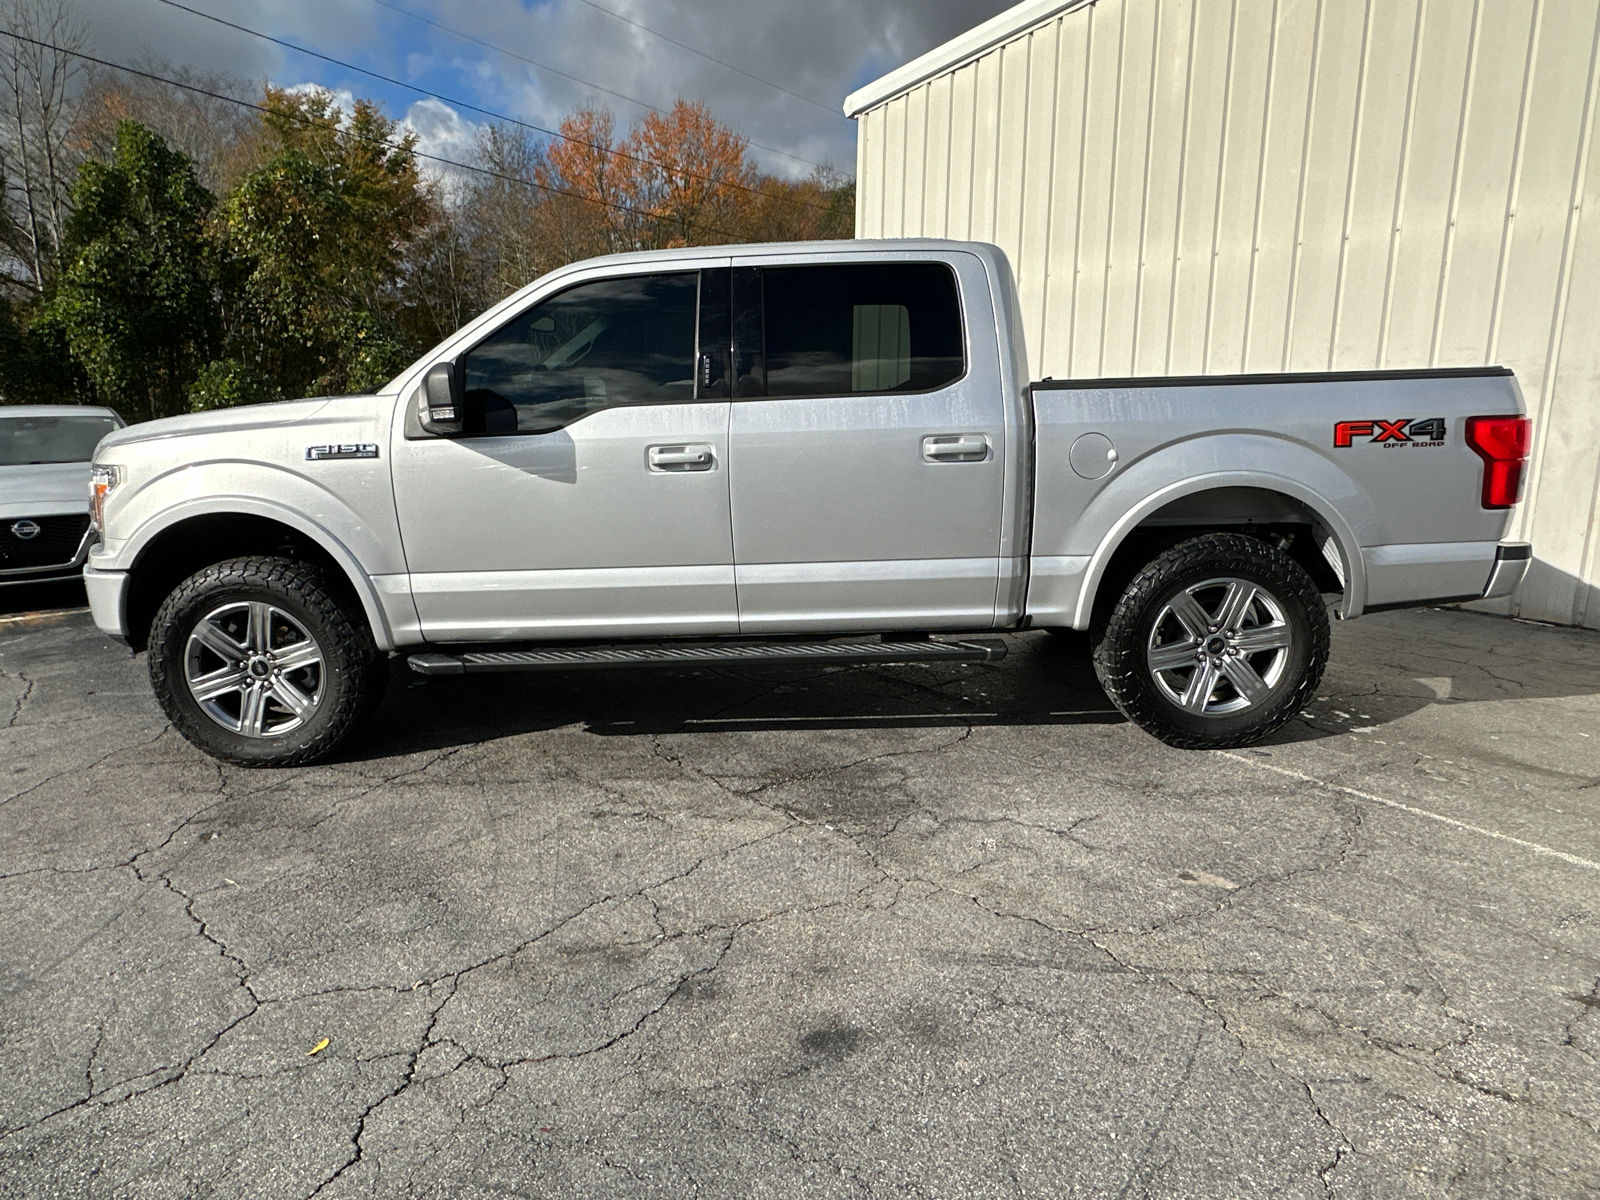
163	554
1218	501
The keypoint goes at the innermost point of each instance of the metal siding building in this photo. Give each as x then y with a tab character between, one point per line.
1217	186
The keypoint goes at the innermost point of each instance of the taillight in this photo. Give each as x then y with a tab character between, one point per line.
1502	443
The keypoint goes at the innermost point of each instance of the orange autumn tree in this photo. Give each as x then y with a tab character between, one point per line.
688	171
678	178
587	188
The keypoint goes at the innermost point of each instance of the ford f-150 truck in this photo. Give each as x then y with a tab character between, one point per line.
796	453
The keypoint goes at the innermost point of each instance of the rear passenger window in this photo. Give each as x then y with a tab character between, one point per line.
598	345
838	331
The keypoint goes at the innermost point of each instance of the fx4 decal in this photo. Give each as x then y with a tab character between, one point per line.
1407	431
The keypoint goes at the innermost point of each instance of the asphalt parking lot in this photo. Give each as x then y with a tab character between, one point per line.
892	932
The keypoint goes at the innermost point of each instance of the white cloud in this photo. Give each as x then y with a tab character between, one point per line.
442	132
343	98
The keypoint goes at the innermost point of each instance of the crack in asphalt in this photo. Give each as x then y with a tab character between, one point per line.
389	781
27	691
1589	1003
88	766
172	1073
1210	1006
788	778
503	1067
1349	826
357	1148
1213	1006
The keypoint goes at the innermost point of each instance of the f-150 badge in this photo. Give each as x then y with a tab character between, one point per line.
343	450
1407	431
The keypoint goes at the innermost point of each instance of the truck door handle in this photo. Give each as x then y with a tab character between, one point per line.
955	447
695	457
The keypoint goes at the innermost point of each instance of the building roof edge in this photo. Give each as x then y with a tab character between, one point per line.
1000	28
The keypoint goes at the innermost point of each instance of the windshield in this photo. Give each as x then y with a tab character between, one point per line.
70	439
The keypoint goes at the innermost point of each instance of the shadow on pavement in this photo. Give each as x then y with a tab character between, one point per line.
1384	667
19	598
1044	681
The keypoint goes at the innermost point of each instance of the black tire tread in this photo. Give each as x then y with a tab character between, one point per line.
1118	657
352	651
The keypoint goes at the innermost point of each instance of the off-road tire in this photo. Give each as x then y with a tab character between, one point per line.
1122	636
354	670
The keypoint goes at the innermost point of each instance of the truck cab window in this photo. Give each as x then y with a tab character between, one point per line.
599	345
838	331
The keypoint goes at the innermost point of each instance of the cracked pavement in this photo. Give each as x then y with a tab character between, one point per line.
918	931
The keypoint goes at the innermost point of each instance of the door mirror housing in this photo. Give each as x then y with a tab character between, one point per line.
439	401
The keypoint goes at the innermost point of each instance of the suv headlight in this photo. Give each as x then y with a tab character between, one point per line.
102	482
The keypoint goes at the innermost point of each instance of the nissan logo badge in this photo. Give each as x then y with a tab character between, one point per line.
25	530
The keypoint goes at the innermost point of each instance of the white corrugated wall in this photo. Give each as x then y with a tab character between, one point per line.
1203	186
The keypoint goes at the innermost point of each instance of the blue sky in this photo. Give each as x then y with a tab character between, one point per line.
819	49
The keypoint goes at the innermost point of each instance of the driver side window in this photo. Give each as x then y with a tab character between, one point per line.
599	345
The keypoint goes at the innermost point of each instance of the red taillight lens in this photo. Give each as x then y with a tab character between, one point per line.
1502	443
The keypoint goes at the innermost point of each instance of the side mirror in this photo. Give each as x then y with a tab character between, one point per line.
438	401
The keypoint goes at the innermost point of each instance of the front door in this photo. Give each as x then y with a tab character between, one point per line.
588	494
867	451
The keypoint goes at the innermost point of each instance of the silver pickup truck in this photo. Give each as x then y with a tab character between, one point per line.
797	453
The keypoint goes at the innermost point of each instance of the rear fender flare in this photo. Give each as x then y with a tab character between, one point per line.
1355	590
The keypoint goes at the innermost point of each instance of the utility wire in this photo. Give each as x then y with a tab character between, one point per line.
827	108
368	138
488	112
578	79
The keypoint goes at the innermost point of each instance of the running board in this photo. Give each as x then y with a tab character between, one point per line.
667	655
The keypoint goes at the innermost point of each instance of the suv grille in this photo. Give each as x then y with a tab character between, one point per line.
56	543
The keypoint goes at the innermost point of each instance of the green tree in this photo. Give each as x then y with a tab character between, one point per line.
135	300
35	365
317	237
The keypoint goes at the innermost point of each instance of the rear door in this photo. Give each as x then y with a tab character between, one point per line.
588	496
867	446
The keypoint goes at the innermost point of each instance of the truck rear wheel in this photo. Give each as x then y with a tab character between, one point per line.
1216	643
257	662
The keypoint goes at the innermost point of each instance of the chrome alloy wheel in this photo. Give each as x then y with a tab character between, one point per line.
1219	647
253	669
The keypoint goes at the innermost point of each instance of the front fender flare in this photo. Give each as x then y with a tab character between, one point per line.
134	547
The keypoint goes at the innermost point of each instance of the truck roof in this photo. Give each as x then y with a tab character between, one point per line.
833	248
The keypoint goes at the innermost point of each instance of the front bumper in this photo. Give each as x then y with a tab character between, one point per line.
108	594
1511	562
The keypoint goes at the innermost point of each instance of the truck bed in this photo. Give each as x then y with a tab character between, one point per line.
1377	462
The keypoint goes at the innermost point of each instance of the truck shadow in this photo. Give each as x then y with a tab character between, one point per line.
1044	681
1384	668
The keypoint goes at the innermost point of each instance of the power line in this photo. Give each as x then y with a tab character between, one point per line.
368	138
830	109
488	112
578	79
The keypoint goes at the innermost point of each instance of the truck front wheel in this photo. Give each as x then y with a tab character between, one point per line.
1216	643
257	662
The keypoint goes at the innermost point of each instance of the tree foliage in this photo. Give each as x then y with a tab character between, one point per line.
135	297
316	239
203	255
